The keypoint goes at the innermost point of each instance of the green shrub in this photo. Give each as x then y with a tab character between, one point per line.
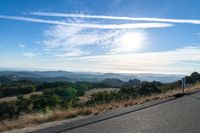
22	104
103	97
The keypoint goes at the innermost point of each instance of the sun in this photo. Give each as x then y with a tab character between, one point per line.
130	41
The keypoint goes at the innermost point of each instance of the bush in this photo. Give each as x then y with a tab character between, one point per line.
129	92
40	102
170	86
8	109
23	104
81	87
104	97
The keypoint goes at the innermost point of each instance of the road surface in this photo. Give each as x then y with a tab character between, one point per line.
181	115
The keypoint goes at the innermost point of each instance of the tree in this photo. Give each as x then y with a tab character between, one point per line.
10	89
64	92
148	88
128	92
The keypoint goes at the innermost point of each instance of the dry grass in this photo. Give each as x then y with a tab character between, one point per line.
55	115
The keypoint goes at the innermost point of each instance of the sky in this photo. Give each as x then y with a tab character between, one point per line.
121	36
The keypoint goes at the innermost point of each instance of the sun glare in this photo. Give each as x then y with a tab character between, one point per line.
130	41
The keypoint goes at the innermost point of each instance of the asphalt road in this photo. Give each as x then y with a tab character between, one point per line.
181	115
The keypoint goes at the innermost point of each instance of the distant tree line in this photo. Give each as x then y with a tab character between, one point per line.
16	88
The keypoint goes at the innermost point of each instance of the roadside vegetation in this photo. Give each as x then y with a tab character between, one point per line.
61	100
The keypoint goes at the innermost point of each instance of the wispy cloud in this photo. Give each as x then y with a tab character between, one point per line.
75	41
72	53
71	41
190	53
182	60
179	60
90	25
21	46
167	20
29	54
68	38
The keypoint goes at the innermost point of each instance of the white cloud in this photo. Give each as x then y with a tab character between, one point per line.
168	20
184	60
74	41
173	61
67	38
71	53
29	54
70	40
159	58
58	35
21	46
91	25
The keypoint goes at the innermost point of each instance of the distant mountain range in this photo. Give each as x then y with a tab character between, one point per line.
52	76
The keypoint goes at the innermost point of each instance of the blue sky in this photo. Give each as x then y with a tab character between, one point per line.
125	36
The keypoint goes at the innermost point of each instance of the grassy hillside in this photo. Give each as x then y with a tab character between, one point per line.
62	100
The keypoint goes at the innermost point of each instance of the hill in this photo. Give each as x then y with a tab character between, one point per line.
52	76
